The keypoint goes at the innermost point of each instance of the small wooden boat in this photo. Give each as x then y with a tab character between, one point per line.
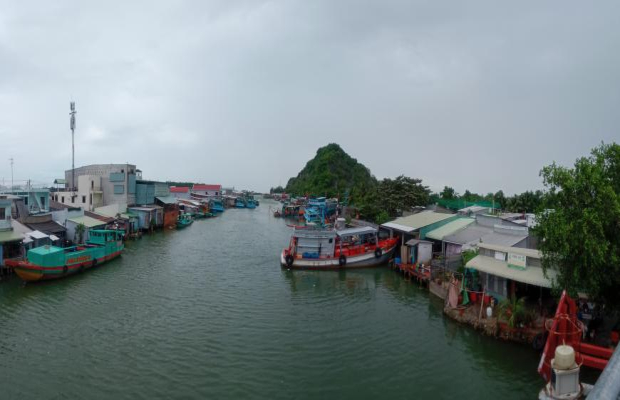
51	262
184	220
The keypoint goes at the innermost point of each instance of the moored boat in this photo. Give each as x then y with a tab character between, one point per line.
239	203
357	247
184	220
51	262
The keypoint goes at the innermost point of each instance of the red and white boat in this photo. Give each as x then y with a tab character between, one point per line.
359	247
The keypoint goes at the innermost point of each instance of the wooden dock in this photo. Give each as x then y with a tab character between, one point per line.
419	273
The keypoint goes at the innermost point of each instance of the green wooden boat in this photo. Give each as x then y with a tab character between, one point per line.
184	220
51	262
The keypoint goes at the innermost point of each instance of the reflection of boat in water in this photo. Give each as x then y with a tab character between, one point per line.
357	247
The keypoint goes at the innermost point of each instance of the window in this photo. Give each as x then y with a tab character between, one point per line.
216	193
92	184
83	199
72	199
42	201
119	189
91	198
2	213
63	199
26	200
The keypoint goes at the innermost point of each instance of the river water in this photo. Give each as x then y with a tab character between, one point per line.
207	312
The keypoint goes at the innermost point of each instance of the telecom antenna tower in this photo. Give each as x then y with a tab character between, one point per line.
72	114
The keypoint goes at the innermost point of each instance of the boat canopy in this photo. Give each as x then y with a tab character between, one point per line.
360	230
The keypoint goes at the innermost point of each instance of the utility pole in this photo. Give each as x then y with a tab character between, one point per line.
11	159
72	114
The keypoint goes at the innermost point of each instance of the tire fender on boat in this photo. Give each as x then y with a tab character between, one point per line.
65	269
342	260
289	260
94	262
378	252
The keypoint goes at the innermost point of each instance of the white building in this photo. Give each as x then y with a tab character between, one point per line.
99	185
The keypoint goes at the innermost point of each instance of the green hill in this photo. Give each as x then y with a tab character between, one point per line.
332	172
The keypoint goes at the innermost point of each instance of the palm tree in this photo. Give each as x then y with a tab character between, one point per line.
79	232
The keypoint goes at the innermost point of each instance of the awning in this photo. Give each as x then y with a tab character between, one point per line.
530	275
449	228
167	199
37	235
87	221
360	230
10	236
54	238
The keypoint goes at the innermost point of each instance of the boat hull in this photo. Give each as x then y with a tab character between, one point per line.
366	260
33	273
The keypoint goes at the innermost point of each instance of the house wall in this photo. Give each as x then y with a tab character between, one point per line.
170	217
5	205
425	252
71	231
118	181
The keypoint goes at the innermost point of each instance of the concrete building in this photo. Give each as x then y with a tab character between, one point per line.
180	192
10	241
35	200
99	185
207	190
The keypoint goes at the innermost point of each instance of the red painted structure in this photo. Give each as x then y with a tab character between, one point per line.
567	329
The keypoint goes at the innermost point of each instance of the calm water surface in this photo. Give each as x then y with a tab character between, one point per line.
207	312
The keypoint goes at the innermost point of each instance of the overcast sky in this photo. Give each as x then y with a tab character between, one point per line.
474	95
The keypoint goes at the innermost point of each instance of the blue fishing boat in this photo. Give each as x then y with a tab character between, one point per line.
216	205
239	202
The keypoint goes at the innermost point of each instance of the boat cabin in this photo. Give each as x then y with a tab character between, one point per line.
103	236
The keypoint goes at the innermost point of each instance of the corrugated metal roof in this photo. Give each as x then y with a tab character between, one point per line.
206	187
531	275
37	235
360	230
167	199
475	234
414	242
10	236
417	221
449	228
47	227
87	221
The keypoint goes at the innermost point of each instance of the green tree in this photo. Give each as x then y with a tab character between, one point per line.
579	224
402	194
80	229
448	193
277	189
500	199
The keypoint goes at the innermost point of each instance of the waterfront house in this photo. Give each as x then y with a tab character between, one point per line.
128	221
10	241
148	216
207	190
486	229
89	224
45	223
171	210
180	192
511	271
416	226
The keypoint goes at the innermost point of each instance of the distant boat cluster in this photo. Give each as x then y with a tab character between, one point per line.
82	221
